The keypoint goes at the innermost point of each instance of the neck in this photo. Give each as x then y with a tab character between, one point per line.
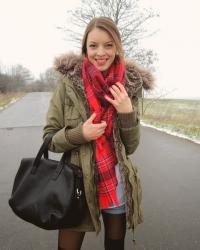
105	73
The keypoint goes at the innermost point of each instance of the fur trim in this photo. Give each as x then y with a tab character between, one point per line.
136	77
145	74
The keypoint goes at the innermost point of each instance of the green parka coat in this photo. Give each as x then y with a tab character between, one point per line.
67	112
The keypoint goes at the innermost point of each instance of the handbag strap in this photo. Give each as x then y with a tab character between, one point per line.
44	150
59	167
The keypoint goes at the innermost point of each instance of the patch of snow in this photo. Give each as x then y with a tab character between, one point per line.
14	100
168	131
11	102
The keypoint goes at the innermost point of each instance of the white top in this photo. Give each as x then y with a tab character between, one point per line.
120	187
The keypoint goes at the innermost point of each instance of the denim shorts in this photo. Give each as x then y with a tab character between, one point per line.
115	210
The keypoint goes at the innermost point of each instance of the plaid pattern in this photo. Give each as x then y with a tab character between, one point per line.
96	86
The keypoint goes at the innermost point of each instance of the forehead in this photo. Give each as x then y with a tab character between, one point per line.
98	35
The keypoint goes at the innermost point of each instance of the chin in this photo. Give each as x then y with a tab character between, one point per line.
103	68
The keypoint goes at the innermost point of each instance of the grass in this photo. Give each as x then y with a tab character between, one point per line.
7	98
176	115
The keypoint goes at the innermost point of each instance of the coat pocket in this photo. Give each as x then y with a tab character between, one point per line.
72	116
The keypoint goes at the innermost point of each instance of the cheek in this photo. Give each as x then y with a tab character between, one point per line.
90	54
112	54
112	57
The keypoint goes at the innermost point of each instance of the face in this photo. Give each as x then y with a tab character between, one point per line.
101	49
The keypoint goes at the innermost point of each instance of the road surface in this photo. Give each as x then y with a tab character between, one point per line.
170	174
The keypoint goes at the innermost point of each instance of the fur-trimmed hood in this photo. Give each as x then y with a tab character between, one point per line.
136	77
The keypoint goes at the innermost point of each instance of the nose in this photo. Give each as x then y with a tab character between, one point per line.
100	51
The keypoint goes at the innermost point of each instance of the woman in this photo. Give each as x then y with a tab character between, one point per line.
94	114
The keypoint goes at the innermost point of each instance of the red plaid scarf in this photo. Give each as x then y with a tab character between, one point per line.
96	87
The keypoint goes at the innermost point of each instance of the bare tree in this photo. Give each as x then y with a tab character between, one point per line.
4	80
20	77
21	72
47	81
14	78
50	78
130	19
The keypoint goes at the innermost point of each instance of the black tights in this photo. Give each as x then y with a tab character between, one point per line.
70	240
115	230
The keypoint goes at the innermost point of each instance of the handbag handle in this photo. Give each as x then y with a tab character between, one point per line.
44	150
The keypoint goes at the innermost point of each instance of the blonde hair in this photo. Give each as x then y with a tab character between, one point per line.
106	24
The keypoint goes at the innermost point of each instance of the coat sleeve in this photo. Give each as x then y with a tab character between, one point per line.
55	122
130	128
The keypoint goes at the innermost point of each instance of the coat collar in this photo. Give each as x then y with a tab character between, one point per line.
69	65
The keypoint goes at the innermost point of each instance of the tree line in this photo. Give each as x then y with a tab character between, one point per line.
17	78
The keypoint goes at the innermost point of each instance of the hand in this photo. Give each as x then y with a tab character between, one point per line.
121	101
93	131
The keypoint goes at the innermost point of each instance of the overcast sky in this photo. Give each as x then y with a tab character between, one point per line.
29	37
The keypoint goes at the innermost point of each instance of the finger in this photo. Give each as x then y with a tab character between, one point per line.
110	100
116	89
101	125
92	117
104	123
101	131
121	87
97	135
115	93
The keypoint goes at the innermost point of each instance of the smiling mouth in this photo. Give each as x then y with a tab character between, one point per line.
101	62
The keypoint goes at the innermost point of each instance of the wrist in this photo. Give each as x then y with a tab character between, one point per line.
127	120
126	110
76	136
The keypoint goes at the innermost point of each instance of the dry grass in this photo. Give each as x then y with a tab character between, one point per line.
181	116
5	99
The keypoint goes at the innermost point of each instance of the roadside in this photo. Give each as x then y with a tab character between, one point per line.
9	98
179	117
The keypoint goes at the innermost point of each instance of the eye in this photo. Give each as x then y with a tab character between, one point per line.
92	45
109	45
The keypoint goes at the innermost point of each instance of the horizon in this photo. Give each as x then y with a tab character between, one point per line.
197	98
37	41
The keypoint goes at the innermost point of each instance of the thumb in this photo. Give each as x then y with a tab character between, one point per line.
92	117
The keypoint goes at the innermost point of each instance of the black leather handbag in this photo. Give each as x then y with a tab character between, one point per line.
48	193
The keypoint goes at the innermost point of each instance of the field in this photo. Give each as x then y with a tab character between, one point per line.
176	115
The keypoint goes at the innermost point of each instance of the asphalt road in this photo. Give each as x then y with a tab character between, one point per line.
169	169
